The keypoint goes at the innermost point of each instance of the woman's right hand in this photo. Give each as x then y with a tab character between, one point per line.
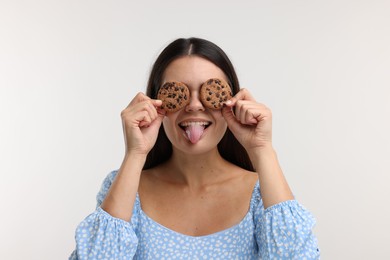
141	121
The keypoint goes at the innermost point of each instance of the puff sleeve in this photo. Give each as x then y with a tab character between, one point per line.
101	236
284	230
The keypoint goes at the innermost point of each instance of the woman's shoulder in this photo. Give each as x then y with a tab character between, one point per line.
248	178
248	182
244	185
251	180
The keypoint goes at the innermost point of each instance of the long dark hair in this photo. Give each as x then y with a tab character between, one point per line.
229	148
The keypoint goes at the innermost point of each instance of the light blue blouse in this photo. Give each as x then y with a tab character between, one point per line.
282	231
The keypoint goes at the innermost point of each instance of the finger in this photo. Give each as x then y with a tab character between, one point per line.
151	110
239	109
156	122
247	111
250	117
157	110
159	118
156	102
243	94
254	112
230	118
145	119
150	105
138	98
161	112
139	115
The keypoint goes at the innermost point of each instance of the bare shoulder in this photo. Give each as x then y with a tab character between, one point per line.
251	177
148	177
245	177
153	181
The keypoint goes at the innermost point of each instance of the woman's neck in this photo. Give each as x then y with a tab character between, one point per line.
197	171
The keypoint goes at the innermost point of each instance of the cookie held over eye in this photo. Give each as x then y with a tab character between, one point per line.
174	96
214	93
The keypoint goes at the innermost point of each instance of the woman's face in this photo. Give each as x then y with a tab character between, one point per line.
194	129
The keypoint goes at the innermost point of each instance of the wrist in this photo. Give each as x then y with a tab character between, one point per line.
262	155
135	156
259	150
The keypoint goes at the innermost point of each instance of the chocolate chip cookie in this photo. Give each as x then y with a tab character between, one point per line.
174	95
214	92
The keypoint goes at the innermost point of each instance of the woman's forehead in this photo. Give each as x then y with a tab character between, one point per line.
192	71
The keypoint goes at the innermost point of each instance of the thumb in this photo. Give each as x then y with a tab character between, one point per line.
160	112
230	118
160	116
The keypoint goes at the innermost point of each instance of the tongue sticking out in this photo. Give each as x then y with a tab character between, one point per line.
194	132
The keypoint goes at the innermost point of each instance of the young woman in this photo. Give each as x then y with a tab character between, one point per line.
197	183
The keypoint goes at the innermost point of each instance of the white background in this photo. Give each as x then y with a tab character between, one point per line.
68	68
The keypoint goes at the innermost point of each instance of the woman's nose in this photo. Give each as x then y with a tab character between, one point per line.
195	103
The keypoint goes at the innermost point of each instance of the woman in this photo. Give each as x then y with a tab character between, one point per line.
185	197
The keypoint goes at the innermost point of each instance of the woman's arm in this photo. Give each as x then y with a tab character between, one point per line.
141	122
101	236
283	226
251	124
274	187
120	198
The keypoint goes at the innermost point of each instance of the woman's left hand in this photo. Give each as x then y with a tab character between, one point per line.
249	121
